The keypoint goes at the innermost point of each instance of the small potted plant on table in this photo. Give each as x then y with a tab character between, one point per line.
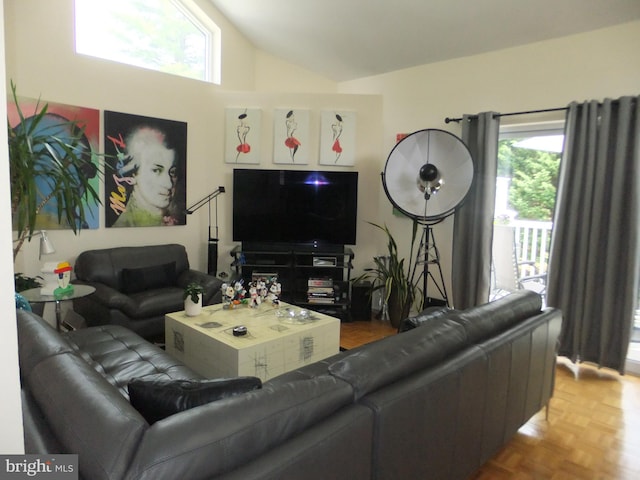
193	299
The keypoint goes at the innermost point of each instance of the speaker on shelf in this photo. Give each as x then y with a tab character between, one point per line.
361	301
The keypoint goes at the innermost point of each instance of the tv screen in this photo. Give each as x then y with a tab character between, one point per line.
295	206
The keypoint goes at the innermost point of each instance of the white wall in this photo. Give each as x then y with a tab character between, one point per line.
276	75
47	46
11	437
594	65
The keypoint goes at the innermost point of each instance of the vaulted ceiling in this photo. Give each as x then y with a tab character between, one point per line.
347	39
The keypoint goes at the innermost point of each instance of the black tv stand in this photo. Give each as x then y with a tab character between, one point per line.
287	247
295	264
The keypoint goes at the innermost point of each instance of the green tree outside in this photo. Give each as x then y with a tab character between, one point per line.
159	35
534	175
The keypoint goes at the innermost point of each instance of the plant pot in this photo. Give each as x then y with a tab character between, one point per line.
397	311
192	309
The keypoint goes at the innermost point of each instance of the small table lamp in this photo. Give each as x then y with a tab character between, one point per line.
46	246
50	279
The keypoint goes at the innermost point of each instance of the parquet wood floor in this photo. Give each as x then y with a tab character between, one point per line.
353	334
593	430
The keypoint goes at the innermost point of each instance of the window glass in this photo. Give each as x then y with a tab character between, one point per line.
528	167
528	163
162	35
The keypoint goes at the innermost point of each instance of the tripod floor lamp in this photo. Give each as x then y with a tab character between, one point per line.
426	177
212	250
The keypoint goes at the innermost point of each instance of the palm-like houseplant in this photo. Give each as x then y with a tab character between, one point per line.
394	277
55	156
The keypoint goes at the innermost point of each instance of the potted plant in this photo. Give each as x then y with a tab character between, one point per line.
23	282
60	157
193	299
394	278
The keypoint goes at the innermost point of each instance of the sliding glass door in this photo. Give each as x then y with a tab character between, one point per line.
528	163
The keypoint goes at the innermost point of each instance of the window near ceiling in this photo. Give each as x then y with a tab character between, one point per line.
170	36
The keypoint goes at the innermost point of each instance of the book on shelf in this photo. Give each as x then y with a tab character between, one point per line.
314	290
322	301
320	282
321	295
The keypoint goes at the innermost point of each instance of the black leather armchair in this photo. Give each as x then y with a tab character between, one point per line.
137	286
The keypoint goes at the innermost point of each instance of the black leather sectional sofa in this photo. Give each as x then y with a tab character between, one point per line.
435	402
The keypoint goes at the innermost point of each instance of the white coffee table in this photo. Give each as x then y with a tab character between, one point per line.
273	344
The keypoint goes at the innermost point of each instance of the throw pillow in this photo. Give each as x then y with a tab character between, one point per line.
158	399
136	280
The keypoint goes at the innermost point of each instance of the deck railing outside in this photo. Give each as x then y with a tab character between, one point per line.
533	241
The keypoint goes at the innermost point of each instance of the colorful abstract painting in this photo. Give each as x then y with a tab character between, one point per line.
54	123
145	183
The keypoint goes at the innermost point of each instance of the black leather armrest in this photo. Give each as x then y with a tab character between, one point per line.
107	296
211	284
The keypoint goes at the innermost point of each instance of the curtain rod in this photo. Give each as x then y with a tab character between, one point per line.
497	115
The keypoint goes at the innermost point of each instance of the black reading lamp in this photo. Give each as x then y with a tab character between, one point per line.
427	176
212	251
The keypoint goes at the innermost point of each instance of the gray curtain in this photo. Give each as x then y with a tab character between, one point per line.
595	249
473	221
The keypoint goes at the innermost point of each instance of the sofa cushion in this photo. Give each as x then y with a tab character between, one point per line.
88	416
105	265
158	301
38	436
120	355
484	321
215	438
157	399
387	361
37	340
136	280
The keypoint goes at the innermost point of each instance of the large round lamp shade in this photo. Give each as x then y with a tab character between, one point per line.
428	174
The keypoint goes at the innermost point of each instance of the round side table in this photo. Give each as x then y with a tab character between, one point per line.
33	296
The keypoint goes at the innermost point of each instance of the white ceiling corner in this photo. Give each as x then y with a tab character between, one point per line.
348	39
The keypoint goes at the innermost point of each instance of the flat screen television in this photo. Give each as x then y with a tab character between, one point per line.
295	206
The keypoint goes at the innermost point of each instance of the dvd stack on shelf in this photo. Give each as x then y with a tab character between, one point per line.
320	291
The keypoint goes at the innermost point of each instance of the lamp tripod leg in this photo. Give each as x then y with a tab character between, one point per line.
428	254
